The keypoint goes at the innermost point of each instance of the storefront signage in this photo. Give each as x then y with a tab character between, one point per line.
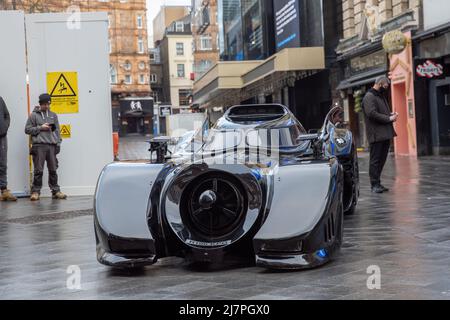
394	42
430	69
136	107
165	111
368	62
287	24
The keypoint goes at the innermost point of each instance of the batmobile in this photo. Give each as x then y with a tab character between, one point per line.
258	189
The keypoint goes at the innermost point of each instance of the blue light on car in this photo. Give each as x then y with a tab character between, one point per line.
257	174
322	253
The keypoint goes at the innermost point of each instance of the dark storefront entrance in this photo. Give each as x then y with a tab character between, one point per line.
432	89
136	116
312	99
440	115
359	71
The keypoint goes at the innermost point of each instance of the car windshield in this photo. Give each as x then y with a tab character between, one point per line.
287	137
222	139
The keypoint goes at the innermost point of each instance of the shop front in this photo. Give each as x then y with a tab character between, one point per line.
432	88
136	116
403	99
359	70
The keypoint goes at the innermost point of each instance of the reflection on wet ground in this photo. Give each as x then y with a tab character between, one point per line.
405	232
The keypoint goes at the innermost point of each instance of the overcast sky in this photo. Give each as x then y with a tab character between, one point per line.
153	9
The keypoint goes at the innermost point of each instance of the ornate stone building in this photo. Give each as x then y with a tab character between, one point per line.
362	58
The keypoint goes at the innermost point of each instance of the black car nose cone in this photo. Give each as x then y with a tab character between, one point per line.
207	199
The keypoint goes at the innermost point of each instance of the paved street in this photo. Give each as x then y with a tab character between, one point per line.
405	232
134	147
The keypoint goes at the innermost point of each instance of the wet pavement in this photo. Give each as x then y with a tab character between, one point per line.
134	148
406	233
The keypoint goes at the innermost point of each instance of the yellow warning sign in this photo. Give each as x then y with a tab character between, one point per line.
66	131
63	88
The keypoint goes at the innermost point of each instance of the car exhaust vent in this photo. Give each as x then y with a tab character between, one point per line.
214	205
329	231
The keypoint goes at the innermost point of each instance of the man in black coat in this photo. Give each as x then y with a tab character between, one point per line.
380	130
5	121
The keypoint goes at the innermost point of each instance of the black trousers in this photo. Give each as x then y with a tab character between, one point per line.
41	154
378	156
3	162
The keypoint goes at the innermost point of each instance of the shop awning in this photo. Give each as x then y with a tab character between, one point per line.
227	79
224	78
362	79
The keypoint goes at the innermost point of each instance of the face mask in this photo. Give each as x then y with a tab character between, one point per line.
382	90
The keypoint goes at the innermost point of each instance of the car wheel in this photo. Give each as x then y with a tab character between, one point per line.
340	232
352	208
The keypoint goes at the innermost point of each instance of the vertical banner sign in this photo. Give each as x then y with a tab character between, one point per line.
63	88
287	24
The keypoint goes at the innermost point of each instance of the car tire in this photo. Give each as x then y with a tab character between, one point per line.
341	226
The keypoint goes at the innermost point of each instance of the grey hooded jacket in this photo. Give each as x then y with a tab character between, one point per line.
34	124
5	119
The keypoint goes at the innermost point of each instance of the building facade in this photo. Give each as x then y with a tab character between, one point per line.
166	16
274	52
156	76
362	56
178	64
205	32
431	52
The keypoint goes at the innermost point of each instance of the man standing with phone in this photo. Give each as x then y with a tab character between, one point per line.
43	127
5	121
380	130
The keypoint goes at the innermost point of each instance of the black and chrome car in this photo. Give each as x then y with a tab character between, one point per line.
260	189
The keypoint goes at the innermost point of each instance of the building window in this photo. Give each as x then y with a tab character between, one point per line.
141	45
142	65
184	95
110	46
154	55
180	49
202	67
205	43
231	38
155	96
180	71
127	65
179	26
141	79
128	79
113	74
153	78
139	22
253	30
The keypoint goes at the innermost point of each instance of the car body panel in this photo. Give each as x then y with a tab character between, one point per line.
293	215
122	197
